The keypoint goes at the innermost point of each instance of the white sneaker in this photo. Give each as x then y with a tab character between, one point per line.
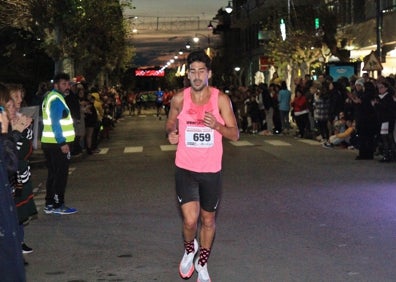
186	267
203	274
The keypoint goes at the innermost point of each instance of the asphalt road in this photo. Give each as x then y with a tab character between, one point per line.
291	211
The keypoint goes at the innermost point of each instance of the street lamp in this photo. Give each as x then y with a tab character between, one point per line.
237	73
210	25
196	38
228	9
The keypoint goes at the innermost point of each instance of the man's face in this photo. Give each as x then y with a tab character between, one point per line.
382	89
199	75
62	86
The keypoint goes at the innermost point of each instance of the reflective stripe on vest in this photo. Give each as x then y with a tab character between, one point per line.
66	123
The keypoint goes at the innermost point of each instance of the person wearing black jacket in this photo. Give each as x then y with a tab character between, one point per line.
11	259
268	107
385	108
366	120
73	102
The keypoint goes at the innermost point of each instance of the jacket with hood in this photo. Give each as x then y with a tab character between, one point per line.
98	104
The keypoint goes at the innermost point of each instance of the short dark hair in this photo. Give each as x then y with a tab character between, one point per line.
199	56
60	76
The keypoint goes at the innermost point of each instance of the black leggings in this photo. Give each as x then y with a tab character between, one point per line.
302	123
323	129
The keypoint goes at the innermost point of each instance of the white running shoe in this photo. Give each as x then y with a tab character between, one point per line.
203	274
186	267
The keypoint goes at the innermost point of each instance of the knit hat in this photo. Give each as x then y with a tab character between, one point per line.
360	81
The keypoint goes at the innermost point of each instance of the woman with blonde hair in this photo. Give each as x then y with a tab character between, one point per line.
22	133
11	259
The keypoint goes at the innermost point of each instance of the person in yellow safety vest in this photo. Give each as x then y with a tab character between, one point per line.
58	133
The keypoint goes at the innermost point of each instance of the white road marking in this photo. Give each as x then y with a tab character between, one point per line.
241	143
309	142
277	143
168	148
134	149
103	151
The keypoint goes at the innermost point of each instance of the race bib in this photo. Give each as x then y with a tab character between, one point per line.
199	137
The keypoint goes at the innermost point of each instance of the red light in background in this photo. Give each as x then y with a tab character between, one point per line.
148	72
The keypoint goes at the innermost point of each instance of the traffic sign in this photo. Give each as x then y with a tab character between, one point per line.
372	63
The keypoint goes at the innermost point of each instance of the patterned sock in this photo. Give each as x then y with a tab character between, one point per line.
189	246
203	256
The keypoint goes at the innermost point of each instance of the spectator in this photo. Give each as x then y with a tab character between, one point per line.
245	119
385	108
366	121
321	112
339	124
274	92
37	100
337	100
260	101
91	122
11	259
301	112
284	106
275	79
98	105
107	123
80	127
73	102
344	137
22	134
117	104
254	113
269	109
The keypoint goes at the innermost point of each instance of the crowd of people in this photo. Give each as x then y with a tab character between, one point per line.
355	113
135	101
94	111
72	118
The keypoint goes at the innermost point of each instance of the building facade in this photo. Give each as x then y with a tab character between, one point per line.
354	29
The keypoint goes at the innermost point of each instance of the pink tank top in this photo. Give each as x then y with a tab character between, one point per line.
200	148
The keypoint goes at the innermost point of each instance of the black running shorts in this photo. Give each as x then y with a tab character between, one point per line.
202	187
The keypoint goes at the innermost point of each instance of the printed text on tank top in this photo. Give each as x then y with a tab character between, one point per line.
197	135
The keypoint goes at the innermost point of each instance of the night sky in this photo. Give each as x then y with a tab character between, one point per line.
202	8
155	51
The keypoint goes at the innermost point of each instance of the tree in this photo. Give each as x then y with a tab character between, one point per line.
299	50
89	34
306	45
